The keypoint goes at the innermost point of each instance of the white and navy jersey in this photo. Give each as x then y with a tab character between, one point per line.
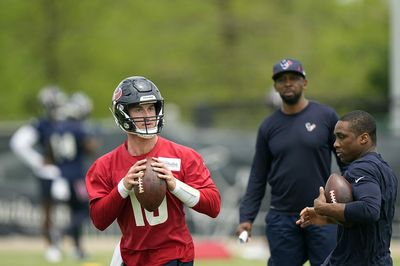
30	143
293	155
66	142
46	142
61	144
370	215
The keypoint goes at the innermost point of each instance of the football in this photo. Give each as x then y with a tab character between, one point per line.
151	189
338	189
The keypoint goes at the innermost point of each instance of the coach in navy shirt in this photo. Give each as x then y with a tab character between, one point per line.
293	155
366	223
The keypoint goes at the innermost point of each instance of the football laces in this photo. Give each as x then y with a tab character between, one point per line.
141	189
332	196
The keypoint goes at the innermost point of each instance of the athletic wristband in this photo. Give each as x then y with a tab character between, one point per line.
188	195
123	191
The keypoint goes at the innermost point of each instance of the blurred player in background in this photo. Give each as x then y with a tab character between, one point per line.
365	224
53	146
72	139
31	143
148	238
293	155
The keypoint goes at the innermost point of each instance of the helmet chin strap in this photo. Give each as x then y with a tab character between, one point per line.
146	134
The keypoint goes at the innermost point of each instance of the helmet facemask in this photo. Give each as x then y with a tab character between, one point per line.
129	124
147	131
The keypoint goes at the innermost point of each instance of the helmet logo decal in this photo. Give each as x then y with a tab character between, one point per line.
117	94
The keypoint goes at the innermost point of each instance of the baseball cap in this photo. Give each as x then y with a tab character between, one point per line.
287	65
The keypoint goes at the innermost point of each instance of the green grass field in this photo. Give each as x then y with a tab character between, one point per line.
29	252
35	258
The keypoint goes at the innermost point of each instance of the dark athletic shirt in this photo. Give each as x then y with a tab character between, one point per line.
293	154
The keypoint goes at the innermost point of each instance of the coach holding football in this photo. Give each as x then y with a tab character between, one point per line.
293	155
365	229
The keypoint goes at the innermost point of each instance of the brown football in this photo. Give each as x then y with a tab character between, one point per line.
338	189
151	189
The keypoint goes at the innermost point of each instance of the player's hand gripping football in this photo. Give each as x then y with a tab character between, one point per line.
164	173
133	174
320	201
310	216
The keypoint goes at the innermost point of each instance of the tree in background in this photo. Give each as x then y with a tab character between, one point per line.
213	52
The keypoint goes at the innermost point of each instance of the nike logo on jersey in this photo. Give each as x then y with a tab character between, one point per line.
310	127
358	179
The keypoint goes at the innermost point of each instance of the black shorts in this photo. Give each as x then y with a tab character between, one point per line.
179	263
175	263
45	189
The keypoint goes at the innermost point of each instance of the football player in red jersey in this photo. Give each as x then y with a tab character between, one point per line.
148	238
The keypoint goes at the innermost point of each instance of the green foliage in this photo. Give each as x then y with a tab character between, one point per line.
213	51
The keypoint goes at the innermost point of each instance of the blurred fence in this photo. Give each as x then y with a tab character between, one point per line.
227	153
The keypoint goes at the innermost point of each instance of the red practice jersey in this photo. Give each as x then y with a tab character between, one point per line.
150	238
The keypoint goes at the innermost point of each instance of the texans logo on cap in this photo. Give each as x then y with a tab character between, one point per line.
285	64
